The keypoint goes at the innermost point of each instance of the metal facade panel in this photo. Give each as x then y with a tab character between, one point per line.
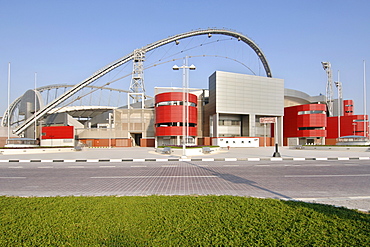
247	94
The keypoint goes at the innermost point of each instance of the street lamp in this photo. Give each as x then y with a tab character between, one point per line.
185	99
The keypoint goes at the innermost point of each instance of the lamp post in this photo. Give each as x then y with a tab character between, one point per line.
338	84
354	128
185	100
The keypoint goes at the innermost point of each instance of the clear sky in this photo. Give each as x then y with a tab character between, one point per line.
67	41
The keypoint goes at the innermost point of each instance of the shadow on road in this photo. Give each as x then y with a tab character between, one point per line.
240	180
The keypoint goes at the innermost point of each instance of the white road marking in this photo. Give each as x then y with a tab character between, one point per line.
92	160
276	159
331	198
231	159
69	161
184	159
343	158
210	176
363	158
161	159
115	160
208	159
323	176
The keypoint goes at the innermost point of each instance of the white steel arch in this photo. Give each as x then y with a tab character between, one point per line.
130	56
16	102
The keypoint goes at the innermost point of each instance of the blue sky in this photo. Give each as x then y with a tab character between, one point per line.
67	41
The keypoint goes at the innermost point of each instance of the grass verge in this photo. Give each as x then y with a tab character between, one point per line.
177	221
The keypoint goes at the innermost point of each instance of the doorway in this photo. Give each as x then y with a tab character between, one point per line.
136	138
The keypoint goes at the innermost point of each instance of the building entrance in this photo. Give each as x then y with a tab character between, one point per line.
136	139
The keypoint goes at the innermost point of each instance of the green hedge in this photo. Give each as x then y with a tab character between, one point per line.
177	221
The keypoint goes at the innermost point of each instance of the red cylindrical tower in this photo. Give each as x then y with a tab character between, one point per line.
169	110
348	107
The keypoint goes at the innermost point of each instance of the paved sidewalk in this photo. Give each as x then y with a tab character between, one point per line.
149	154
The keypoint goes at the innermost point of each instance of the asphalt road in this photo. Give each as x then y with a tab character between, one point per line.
341	183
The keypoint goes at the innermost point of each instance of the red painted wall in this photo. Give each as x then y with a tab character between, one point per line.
348	107
174	114
293	121
57	132
347	126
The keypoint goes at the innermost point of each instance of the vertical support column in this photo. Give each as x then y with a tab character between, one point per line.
280	130
252	125
215	124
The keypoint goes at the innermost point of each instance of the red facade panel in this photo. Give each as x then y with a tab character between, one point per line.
174	96
57	132
305	121
349	125
311	120
174	131
173	113
348	107
311	133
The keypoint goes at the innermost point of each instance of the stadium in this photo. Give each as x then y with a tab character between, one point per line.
235	110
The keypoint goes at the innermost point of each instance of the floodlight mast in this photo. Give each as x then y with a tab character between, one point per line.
137	87
329	87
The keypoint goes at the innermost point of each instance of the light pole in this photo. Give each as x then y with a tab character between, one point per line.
338	84
110	116
354	128
185	100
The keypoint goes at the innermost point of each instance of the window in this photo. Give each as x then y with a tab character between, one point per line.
174	124
310	112
310	128
175	103
226	122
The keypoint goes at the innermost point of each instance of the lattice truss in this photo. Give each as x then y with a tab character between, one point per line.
210	49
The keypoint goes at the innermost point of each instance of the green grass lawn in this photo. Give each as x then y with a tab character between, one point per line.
177	221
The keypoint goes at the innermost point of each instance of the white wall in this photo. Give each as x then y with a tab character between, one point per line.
57	142
236	142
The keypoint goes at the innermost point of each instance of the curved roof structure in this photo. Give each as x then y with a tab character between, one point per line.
130	56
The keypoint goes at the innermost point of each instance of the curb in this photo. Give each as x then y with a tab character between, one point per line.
183	159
